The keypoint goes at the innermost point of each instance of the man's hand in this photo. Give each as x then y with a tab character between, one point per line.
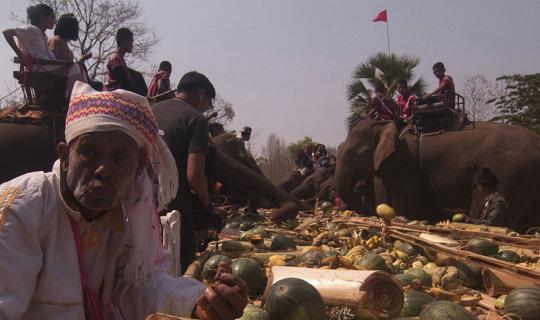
225	300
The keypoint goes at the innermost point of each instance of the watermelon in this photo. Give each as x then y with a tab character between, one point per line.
524	303
282	243
294	299
414	302
209	270
250	271
445	310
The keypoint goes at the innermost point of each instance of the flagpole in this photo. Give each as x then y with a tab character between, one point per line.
388	36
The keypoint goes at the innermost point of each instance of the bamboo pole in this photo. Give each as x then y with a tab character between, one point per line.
195	268
374	291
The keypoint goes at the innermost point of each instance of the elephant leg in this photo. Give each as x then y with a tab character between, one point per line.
231	171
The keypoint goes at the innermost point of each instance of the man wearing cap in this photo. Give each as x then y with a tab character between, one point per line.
187	136
83	241
495	206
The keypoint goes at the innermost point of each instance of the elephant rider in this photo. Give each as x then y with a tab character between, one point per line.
245	134
383	107
160	82
118	75
495	207
83	241
405	101
446	90
186	134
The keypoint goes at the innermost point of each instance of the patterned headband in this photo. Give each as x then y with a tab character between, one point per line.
116	107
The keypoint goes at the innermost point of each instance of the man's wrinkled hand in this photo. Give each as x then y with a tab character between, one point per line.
225	300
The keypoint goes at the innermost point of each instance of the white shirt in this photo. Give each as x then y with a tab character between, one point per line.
39	269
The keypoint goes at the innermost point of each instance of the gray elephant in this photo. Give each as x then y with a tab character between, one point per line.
433	175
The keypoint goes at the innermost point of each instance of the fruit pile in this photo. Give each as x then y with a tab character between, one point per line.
435	286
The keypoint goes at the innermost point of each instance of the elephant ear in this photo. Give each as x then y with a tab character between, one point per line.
386	145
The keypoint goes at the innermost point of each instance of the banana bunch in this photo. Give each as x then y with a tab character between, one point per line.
373	242
446	278
356	252
279	260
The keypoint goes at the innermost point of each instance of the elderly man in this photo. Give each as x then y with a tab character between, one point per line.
83	242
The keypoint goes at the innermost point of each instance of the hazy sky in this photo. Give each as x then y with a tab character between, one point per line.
285	64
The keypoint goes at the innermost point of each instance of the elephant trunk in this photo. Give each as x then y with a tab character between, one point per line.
350	188
231	171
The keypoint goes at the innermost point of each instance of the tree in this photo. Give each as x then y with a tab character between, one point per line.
520	102
224	110
380	68
478	91
274	161
98	22
294	147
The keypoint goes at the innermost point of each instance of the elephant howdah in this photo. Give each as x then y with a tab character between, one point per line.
434	178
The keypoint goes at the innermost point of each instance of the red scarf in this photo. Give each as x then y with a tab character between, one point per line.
153	88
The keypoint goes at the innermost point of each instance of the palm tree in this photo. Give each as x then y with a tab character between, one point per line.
380	68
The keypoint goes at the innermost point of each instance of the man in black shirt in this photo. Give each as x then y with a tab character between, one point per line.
187	136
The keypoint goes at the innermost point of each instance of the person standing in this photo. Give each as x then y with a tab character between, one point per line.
187	136
161	81
118	75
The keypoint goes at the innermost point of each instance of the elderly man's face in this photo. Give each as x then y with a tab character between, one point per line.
101	168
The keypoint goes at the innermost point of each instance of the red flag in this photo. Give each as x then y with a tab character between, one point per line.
381	16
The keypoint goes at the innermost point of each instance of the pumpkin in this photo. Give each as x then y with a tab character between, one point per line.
445	310
344	233
249	271
289	224
482	247
233	225
246	225
209	270
414	302
459	217
510	256
294	299
244	236
499	304
282	243
371	261
524	303
404	278
420	274
252	312
327	206
386	212
406	247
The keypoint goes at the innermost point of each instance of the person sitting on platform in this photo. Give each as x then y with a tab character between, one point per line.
67	29
32	49
160	82
119	76
383	107
405	100
446	91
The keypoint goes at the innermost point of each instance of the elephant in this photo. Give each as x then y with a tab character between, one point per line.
293	180
254	188
320	184
26	147
29	147
431	176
